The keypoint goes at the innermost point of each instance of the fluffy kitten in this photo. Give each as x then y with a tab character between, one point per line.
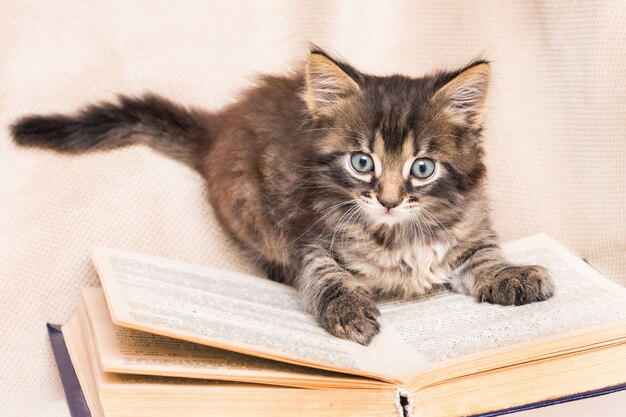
349	186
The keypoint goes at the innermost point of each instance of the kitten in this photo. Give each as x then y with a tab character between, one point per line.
349	186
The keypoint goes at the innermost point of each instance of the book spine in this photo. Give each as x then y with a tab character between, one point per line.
404	402
73	393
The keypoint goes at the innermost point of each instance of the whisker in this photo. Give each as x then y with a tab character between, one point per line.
329	211
426	225
444	228
347	222
444	204
338	228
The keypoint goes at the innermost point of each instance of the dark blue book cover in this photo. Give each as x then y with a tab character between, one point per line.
73	393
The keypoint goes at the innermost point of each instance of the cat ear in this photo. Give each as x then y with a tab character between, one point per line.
327	83
463	97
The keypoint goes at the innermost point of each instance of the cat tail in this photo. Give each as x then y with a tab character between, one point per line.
171	129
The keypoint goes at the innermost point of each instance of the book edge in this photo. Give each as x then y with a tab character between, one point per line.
546	403
71	386
78	406
101	260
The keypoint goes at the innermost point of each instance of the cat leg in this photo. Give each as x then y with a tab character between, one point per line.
483	273
342	305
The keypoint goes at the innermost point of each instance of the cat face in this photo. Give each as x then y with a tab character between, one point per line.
393	181
401	151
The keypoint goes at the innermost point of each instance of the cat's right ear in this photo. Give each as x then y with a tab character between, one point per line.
328	85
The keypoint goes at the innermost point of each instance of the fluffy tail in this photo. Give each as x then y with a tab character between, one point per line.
168	128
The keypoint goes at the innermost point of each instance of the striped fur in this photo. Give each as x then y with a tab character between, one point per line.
279	171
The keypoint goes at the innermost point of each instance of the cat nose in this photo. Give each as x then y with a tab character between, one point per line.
388	204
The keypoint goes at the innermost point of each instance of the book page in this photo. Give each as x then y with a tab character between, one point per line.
442	326
224	309
129	351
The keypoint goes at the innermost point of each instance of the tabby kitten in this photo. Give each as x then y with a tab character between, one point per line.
349	186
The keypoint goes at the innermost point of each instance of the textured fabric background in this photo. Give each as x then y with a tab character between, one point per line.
555	136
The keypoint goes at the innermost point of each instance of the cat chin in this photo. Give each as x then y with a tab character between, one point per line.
390	219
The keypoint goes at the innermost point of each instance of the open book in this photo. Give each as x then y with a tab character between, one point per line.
165	338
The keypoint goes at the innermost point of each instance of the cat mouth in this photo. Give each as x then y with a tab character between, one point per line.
389	216
383	215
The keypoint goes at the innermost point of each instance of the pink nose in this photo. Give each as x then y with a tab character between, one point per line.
387	203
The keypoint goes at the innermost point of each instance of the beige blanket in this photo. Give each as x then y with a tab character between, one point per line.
556	134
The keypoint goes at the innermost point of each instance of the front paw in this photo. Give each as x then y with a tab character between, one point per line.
516	285
349	314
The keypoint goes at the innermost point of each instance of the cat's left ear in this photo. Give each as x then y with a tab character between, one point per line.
463	97
328	83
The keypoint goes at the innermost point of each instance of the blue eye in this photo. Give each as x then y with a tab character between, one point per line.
423	168
362	162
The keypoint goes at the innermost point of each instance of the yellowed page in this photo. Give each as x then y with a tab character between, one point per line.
111	394
223	309
96	384
534	382
444	327
124	350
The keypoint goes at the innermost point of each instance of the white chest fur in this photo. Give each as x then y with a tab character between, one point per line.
401	272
